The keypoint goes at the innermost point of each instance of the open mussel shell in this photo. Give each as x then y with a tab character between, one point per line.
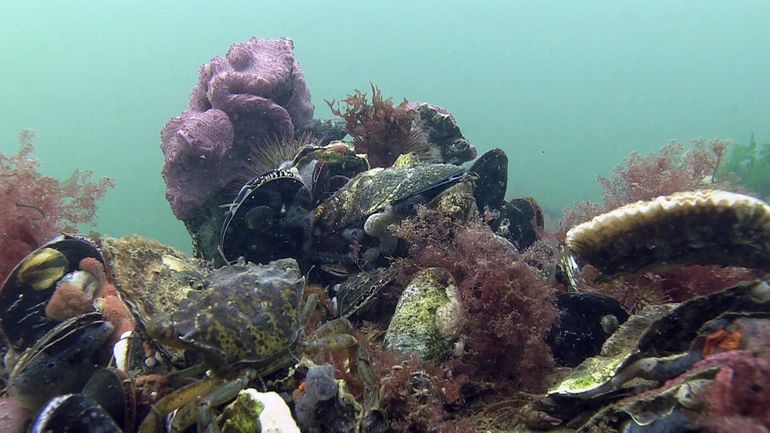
326	169
61	361
29	286
520	221
659	342
272	218
115	393
585	322
357	293
492	171
73	413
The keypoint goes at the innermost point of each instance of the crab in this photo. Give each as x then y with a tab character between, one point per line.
246	324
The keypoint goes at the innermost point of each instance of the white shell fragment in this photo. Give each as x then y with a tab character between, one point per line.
276	416
121	350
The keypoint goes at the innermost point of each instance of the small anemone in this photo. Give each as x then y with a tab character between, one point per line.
417	143
274	153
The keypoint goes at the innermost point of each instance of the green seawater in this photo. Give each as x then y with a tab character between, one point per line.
568	89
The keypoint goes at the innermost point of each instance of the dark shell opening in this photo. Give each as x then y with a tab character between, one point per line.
272	220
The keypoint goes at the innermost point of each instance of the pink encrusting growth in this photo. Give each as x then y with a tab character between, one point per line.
108	301
68	300
36	208
71	299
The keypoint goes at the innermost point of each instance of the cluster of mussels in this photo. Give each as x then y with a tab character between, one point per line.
129	335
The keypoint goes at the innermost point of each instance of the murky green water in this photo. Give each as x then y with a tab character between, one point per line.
568	89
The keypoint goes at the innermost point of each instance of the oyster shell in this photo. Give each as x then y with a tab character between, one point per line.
379	189
656	345
152	279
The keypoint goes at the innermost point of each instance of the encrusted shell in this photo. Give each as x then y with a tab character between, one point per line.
597	371
326	169
695	227
660	334
358	291
152	279
374	190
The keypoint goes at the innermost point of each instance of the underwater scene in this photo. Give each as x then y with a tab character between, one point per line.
385	217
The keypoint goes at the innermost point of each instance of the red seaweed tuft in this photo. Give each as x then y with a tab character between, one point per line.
381	130
672	169
497	288
36	207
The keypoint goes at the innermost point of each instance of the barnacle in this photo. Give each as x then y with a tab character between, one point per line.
707	227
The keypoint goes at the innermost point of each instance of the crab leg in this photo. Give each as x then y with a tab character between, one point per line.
337	335
154	420
201	412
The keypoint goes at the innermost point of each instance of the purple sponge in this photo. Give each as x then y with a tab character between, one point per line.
254	94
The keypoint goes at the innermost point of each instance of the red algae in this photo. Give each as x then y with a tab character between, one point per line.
380	129
515	302
37	207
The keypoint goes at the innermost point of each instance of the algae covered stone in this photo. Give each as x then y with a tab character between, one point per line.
427	317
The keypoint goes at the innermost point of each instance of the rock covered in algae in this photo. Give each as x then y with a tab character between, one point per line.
427	317
242	415
694	227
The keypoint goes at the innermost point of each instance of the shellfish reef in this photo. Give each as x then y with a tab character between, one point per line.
367	273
